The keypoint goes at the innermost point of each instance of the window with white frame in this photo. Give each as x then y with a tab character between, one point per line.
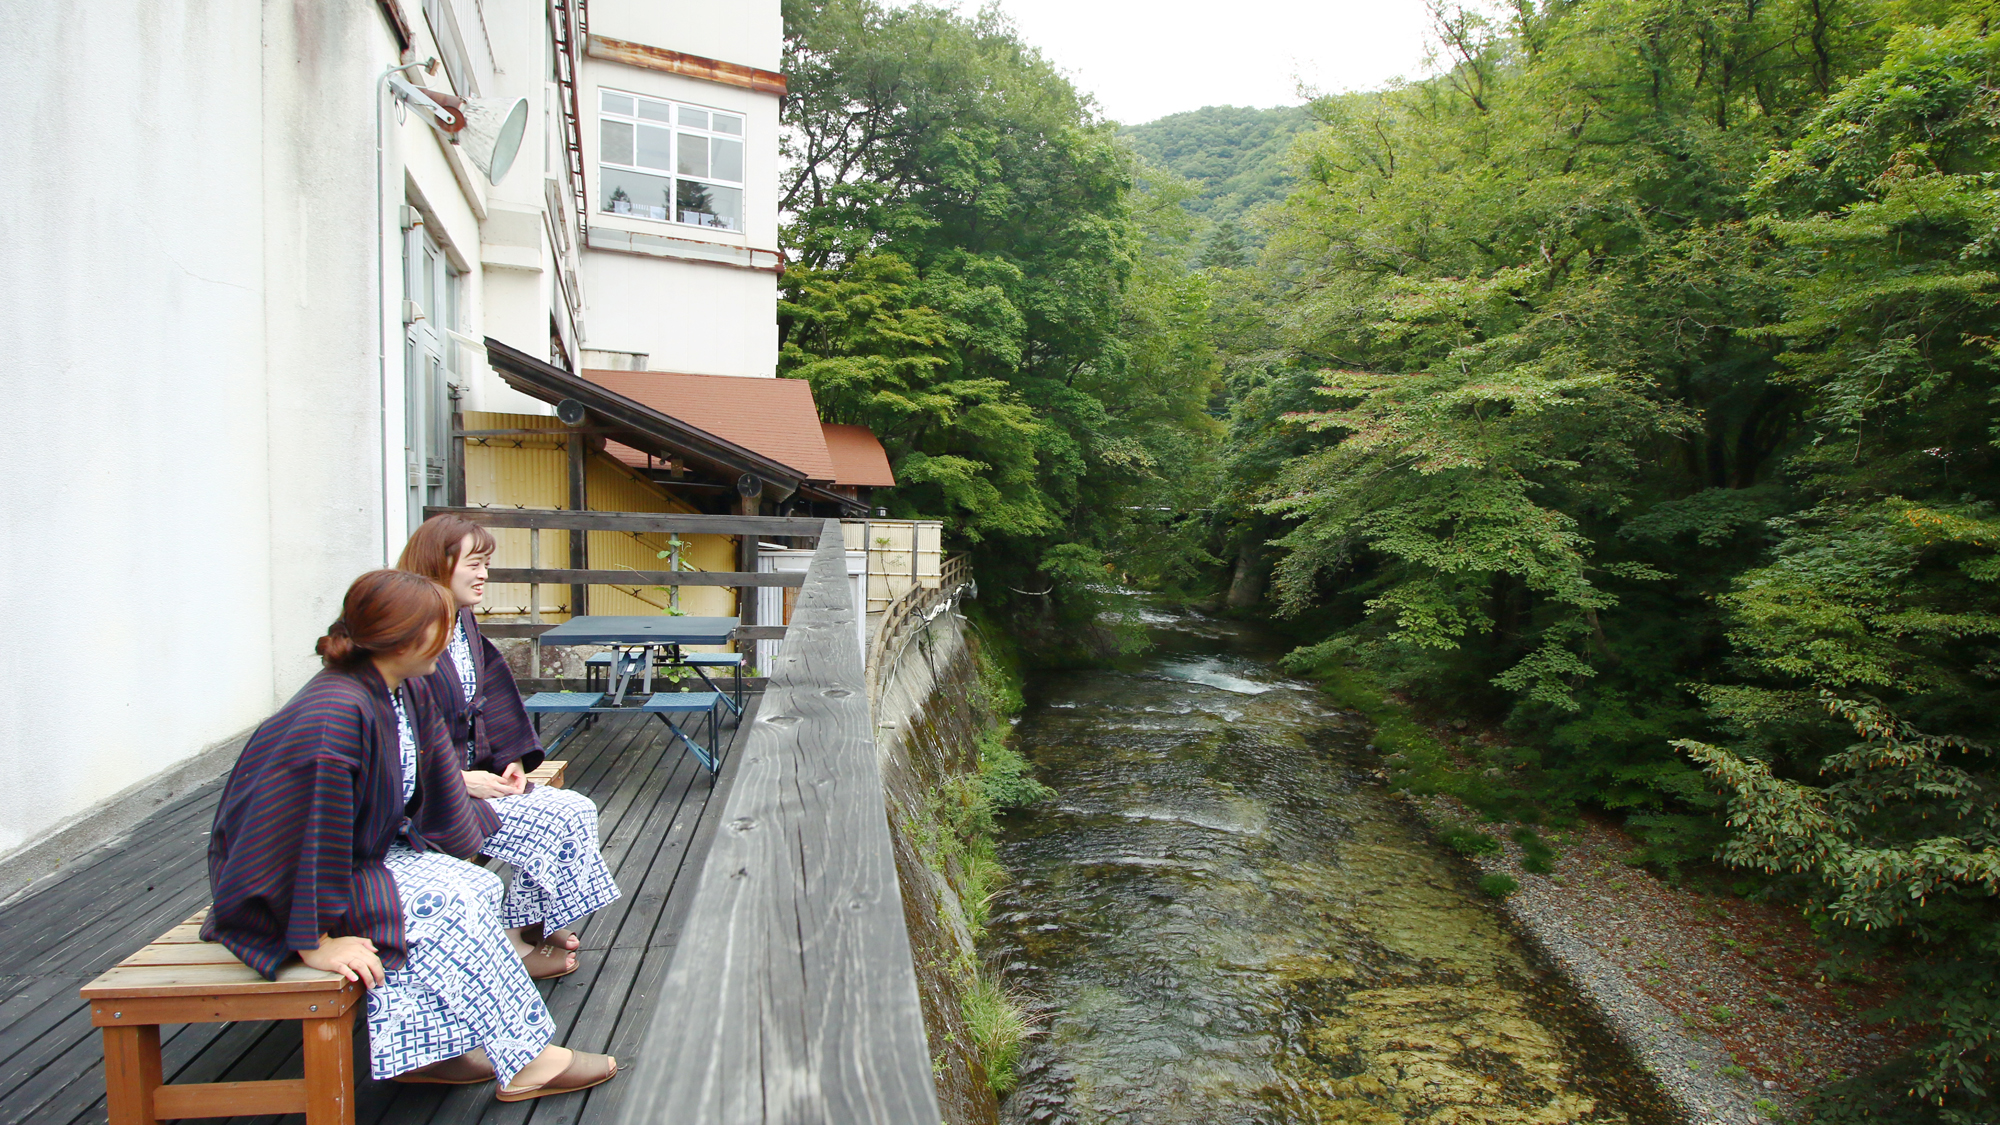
669	161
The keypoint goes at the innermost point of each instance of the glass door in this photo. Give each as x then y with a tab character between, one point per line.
427	301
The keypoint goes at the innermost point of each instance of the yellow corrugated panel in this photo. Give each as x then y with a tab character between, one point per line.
533	472
520	472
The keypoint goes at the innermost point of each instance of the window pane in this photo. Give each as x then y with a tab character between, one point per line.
710	205
725	159
635	193
698	118
727	124
656	111
694	155
615	138
655	148
616	103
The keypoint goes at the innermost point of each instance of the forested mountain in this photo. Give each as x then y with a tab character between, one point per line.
1236	156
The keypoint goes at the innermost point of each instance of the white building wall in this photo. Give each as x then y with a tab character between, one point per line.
186	195
689	316
748	32
205	381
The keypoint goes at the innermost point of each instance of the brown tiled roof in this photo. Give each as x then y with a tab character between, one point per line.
858	456
774	417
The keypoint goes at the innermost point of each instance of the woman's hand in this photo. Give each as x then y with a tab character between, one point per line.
516	776
480	783
351	957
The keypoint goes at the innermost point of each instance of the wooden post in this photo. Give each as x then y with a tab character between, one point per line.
746	559
131	1073
579	554
535	601
329	1057
454	473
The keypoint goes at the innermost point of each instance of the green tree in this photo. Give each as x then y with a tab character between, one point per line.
980	277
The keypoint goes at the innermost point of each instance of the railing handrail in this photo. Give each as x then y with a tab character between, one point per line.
792	997
917	600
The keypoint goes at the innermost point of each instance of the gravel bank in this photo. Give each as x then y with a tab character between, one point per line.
1731	1035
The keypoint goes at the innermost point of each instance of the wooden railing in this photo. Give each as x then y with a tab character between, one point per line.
792	996
578	578
907	616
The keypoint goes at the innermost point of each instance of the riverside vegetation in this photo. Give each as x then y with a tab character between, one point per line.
1629	388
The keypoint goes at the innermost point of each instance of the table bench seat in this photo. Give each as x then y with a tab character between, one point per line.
590	704
179	978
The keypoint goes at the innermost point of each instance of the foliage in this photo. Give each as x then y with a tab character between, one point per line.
1467	841
1499	886
982	275
1632	384
1904	839
1000	1024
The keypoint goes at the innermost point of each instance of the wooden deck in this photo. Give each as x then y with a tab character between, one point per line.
657	818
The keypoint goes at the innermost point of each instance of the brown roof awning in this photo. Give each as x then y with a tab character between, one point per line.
858	457
639	425
775	417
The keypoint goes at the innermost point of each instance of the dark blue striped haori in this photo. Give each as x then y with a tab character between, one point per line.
315	835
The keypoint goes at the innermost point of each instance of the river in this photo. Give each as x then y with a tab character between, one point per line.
1223	916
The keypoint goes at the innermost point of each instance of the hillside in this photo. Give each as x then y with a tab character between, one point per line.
1236	154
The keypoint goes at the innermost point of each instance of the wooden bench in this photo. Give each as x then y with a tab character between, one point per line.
549	773
180	978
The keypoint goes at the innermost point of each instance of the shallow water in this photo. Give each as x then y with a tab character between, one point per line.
1224	917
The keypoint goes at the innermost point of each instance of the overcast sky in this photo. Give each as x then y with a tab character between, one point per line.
1144	59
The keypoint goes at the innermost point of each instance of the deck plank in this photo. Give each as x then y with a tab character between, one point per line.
654	803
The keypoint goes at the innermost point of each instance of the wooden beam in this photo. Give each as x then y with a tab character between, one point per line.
794	992
230	1099
641	522
645	577
686	65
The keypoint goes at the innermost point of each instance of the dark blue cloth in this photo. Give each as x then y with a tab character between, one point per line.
493	731
310	810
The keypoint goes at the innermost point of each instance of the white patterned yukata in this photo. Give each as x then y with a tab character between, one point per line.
462	985
548	835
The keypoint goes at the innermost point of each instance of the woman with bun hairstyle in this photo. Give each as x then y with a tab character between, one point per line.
342	838
548	835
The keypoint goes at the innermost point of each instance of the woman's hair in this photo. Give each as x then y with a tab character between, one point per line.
387	611
433	548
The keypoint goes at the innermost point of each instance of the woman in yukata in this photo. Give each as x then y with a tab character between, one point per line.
341	839
548	835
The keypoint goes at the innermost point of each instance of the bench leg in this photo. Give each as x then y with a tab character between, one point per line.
131	1073
329	1056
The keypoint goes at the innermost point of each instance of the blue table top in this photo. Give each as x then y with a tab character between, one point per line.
661	630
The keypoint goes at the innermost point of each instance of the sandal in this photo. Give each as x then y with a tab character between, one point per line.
458	1071
583	1072
567	939
549	962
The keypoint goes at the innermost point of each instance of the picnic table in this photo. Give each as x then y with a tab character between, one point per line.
636	639
647	633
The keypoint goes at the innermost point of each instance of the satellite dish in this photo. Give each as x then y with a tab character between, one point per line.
492	134
570	412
